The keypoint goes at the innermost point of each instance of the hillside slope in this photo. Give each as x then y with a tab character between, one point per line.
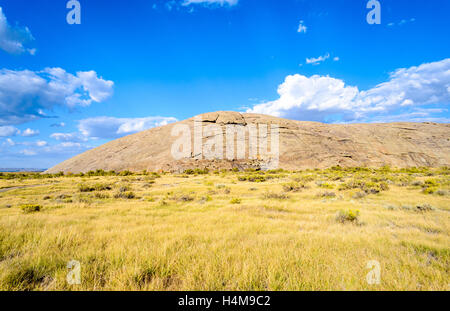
301	145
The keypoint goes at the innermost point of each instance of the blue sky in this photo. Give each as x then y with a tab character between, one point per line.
137	64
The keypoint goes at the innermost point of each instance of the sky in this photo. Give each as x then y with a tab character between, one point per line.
133	65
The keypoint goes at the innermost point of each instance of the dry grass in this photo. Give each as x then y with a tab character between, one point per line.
182	232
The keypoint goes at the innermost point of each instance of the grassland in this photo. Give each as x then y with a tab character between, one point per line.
308	230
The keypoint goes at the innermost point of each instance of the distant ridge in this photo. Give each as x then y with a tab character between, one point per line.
19	170
302	145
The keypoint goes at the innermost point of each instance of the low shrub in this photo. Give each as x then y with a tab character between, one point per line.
324	185
235	201
429	190
91	188
85	188
419	208
30	208
390	207
441	192
407	207
293	187
63	197
206	198
431	182
424	208
348	216
100	195
125	173
253	178
196	171
125	195
359	195
185	198
102	187
124	188
327	194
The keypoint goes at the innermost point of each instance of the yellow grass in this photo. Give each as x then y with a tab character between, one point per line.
216	232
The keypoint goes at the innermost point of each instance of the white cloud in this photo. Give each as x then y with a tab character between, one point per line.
336	59
92	128
60	124
110	127
69	148
38	143
10	142
28	152
39	150
302	27
25	95
12	39
68	137
323	98
41	143
209	2
317	60
70	144
6	131
402	22
30	133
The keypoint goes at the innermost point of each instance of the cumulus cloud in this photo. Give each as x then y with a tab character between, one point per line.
43	148
25	95
38	143
69	137
209	2
302	27
10	142
408	92
110	127
12	39
9	130
30	133
29	152
6	131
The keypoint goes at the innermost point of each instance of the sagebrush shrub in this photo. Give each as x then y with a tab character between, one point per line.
293	187
347	216
30	208
327	194
125	195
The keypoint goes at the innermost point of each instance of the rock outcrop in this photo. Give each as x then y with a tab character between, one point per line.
301	145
